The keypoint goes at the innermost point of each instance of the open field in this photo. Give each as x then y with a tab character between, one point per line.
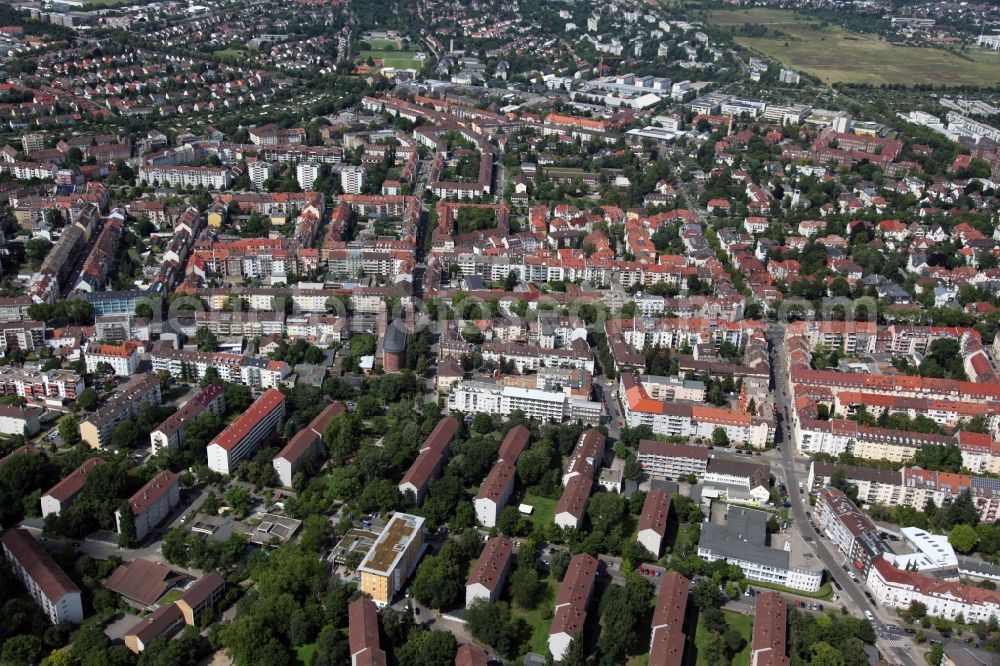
393	58
540	618
834	54
825	592
545	509
385	43
741	623
233	52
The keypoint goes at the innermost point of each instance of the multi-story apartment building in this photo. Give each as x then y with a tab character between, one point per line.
851	530
770	628
18	420
123	358
47	584
363	633
392	558
257	373
571	603
474	397
170	433
23	335
672	461
430	459
653	521
489	576
218	178
352	179
495	490
96	429
152	503
896	588
304	446
57	385
667	638
61	495
240	439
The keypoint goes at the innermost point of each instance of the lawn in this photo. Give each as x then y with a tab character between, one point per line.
539	619
384	43
233	53
835	54
402	59
305	653
171	596
545	509
824	592
741	623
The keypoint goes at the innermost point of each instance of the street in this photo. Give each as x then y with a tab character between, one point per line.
889	642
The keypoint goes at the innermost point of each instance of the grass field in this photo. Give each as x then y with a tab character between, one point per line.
385	43
741	623
824	592
171	596
305	652
539	619
545	509
233	52
834	54
392	58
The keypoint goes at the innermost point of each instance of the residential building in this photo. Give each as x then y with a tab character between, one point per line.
489	575
48	585
496	488
259	172
572	505
896	588
571	603
849	528
392	558
653	521
304	446
307	173
770	624
218	178
61	495
430	459
667	638
742	541
586	457
352	179
240	439
96	429
18	420
752	478
672	461
363	634
470	654
473	397
170	433
152	503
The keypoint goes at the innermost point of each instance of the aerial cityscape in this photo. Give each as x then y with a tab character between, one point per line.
479	333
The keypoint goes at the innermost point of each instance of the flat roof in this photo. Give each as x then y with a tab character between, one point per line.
398	533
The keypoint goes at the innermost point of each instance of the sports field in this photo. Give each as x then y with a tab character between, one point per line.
392	58
834	54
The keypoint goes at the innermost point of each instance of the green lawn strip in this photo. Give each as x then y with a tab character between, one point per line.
825	592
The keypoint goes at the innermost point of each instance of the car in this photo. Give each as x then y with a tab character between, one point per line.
416	610
819	607
868	614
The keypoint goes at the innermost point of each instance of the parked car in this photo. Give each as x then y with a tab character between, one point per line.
868	614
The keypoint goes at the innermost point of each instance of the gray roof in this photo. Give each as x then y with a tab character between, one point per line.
963	655
743	537
394	341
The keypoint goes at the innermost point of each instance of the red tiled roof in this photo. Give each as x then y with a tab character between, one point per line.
151	493
74	482
37	561
249	419
574	595
655	510
492	563
363	632
470	655
513	444
769	627
304	439
666	645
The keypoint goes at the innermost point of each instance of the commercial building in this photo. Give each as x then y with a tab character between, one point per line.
304	446
672	461
96	429
61	495
653	521
742	541
571	603
667	638
363	635
392	558
490	573
152	503
47	584
896	588
770	624
745	479
241	438
430	459
170	433
496	488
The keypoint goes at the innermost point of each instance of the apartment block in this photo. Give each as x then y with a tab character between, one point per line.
667	638
489	575
496	488
392	558
430	459
653	521
304	446
770	624
61	495
571	603
672	461
45	581
170	433
240	439
152	503
96	429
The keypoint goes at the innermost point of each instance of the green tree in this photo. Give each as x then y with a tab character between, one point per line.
126	436
428	648
126	525
963	538
206	340
238	497
23	650
87	399
525	587
69	430
438	582
720	437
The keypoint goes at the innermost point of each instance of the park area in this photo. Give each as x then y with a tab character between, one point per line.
834	54
391	57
